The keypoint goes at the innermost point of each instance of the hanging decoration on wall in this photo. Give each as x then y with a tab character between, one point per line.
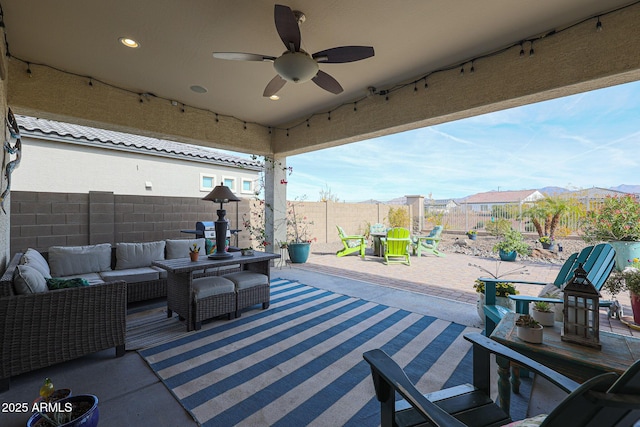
14	133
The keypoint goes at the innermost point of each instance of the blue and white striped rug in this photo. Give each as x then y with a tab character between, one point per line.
300	362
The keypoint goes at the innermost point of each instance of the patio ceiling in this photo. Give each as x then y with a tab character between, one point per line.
71	44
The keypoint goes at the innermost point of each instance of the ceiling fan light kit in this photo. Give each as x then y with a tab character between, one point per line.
295	65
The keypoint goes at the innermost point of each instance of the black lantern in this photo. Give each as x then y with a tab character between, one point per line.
581	311
221	194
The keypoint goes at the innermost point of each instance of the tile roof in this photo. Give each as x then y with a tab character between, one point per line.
500	196
31	126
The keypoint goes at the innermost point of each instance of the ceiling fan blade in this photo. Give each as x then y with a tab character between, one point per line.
342	54
287	27
328	83
241	56
274	86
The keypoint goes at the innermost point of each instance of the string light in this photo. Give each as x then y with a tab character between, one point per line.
217	119
598	25
462	70
355	106
426	85
521	50
269	130
531	51
329	115
415	87
29	70
245	125
90	82
308	125
473	69
287	131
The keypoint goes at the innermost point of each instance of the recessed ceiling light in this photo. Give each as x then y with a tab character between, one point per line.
274	97
129	42
198	89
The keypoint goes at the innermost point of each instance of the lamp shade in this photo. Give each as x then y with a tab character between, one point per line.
221	194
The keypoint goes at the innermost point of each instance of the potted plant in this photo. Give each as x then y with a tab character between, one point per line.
472	234
543	313
617	221
511	245
194	252
299	235
503	289
547	242
247	251
528	329
629	280
71	411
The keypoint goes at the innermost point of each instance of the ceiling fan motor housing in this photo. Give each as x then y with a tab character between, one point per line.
297	67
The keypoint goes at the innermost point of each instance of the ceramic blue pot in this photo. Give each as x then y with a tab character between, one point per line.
89	418
299	252
508	256
625	251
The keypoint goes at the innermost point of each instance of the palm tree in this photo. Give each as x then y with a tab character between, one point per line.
545	214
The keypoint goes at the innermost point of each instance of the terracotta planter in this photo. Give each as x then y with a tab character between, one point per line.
544	318
194	256
532	335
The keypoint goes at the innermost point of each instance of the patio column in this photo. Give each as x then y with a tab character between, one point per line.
417	202
275	198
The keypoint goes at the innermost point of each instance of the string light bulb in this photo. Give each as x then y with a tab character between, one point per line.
29	70
521	50
598	25
472	69
531	51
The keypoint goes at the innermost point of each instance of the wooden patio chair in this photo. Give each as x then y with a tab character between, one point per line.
396	246
352	243
607	400
597	260
429	244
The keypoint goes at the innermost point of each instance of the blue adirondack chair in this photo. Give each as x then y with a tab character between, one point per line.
428	244
597	260
396	246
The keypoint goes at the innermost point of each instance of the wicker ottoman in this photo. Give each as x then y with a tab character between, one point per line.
213	296
251	289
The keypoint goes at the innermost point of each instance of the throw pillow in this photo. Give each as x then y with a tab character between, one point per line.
550	291
57	283
28	280
179	248
34	259
136	255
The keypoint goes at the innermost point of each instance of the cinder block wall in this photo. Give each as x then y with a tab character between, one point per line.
41	220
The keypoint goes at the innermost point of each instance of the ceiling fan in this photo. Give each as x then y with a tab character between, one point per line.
295	65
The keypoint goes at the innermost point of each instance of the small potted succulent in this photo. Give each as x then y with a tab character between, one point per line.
194	252
543	313
528	329
247	251
547	242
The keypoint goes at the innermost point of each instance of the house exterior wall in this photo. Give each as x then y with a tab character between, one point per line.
54	166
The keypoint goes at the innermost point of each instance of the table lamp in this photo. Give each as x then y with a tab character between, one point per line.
221	194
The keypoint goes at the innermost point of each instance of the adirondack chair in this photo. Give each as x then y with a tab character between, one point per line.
396	246
597	260
352	243
607	400
428	244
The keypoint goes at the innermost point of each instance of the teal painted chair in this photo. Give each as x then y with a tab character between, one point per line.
396	246
606	400
353	243
597	260
429	244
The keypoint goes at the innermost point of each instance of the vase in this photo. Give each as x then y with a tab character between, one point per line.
299	252
86	417
508	256
472	236
625	251
543	317
503	301
548	246
528	334
635	307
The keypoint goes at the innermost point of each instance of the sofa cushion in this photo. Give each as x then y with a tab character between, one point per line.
134	255
213	285
131	275
180	248
28	280
247	279
163	273
74	260
92	278
34	259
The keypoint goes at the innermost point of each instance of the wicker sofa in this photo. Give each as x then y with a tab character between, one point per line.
42	329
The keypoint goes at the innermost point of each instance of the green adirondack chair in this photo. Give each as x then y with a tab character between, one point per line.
352	243
428	244
396	246
606	400
597	260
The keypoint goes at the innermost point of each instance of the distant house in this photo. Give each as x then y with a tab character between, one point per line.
484	202
64	158
592	196
438	206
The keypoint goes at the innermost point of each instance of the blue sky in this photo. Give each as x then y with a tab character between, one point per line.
581	141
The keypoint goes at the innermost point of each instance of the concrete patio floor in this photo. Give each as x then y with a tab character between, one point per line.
131	394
